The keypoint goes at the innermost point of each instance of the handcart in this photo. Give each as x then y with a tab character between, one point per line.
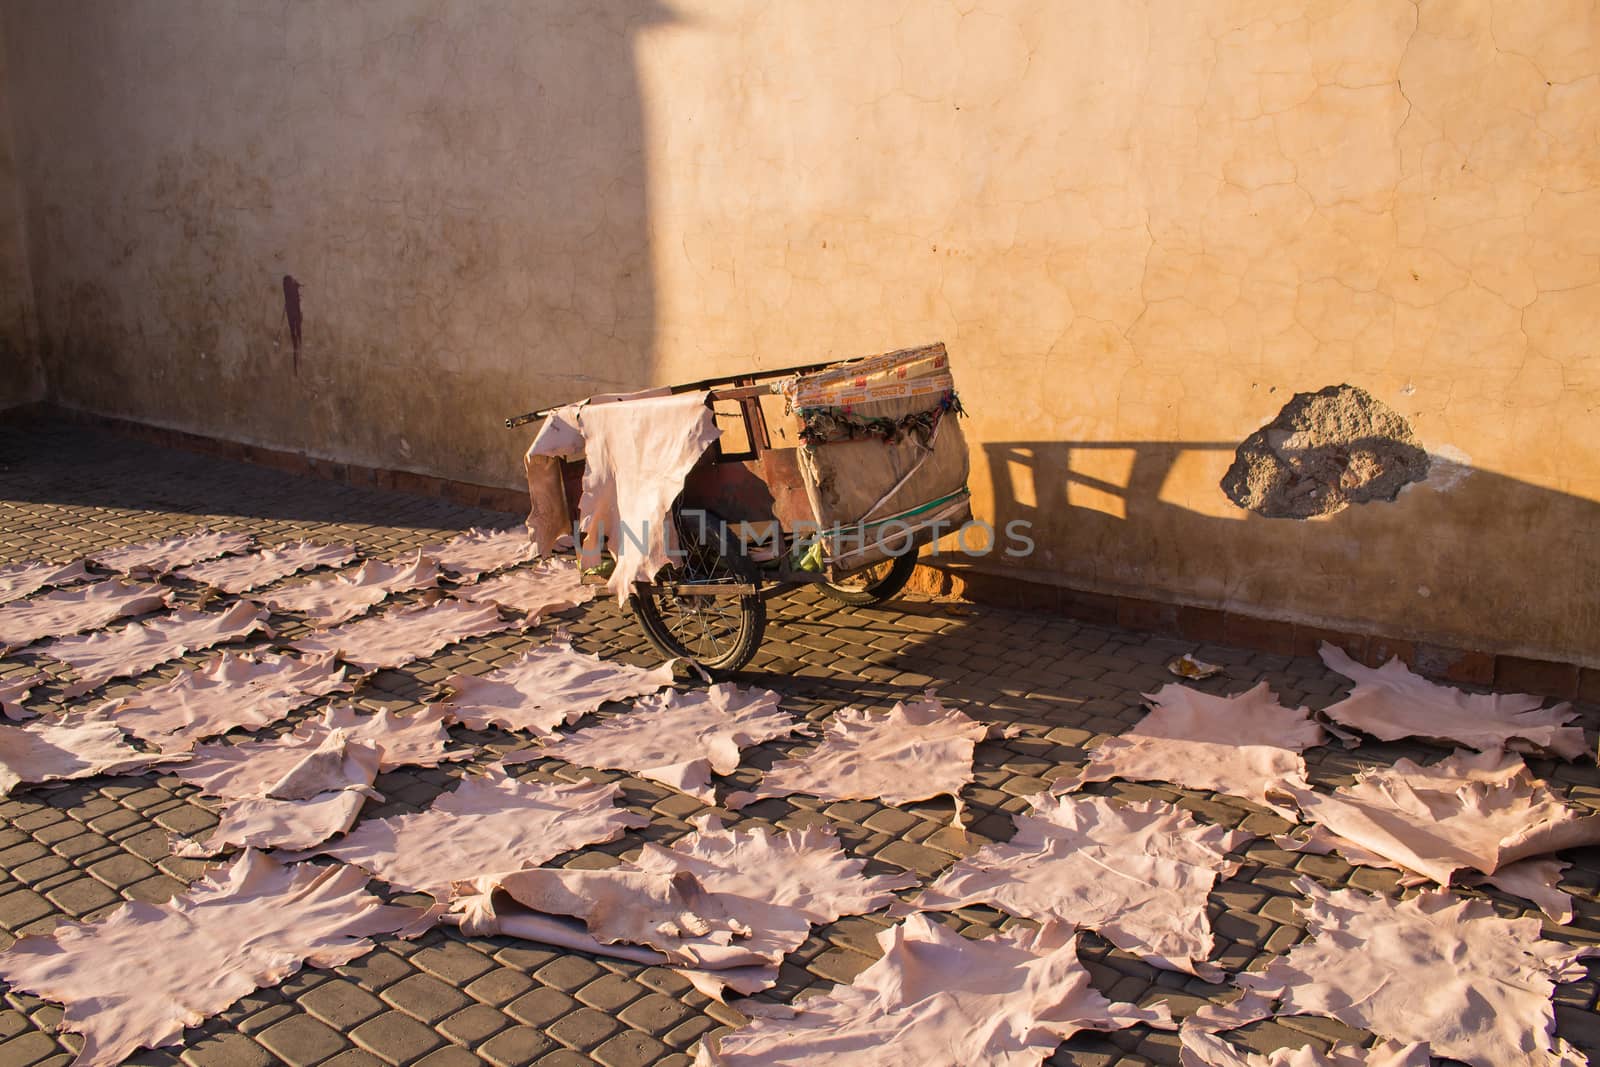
829	474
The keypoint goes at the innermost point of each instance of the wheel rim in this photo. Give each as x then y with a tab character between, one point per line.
706	628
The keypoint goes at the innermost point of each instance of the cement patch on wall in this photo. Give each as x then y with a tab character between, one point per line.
1324	452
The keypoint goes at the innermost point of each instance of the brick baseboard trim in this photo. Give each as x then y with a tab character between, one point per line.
1507	673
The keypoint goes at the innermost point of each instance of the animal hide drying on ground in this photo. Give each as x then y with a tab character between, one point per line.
14	690
240	574
397	637
249	768
1201	1047
1208	1050
936	999
1434	968
677	739
1468	812
1241	745
914	751
318	796
237	690
671	914
18	580
418	739
152	559
548	687
45	751
134	649
136	978
477	552
1538	881
1139	874
553	585
806	870
246	769
71	611
1391	702
337	598
725	906
489	823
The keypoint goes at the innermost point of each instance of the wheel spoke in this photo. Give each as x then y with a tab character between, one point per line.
709	629
704	626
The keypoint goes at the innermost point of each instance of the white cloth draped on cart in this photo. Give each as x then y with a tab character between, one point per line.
637	454
637	450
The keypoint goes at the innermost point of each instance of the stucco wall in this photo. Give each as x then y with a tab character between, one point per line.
457	188
1140	225
21	378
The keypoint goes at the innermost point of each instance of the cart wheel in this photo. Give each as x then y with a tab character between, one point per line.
874	583
720	633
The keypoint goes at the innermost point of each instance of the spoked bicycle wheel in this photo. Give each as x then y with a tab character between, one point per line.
720	632
874	583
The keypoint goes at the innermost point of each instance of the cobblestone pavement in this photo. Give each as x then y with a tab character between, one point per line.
79	849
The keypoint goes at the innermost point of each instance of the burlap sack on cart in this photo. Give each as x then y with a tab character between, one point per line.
847	481
868	479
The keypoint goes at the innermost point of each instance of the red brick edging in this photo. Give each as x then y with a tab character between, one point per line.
1510	673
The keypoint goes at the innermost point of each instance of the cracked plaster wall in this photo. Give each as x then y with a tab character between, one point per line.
457	187
1140	225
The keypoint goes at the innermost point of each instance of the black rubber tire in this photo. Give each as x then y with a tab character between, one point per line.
876	592
648	606
752	625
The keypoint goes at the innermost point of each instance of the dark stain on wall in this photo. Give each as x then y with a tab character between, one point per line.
291	311
1325	451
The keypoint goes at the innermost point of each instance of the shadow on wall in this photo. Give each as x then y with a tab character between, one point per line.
455	194
1466	558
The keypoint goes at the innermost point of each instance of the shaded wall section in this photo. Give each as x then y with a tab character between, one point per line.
21	378
454	191
1141	226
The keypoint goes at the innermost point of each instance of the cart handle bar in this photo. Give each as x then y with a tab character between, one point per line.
706	383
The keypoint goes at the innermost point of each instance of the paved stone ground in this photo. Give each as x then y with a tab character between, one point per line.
77	850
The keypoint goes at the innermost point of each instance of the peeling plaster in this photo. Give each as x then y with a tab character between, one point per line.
1322	453
1448	467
